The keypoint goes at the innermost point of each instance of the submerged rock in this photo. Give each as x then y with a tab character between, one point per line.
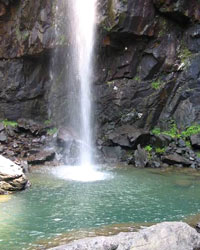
12	177
165	236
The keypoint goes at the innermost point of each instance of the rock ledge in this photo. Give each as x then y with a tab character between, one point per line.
165	236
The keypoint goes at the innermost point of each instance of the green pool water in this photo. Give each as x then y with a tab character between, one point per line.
53	206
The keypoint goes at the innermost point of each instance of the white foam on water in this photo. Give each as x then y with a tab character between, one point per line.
80	173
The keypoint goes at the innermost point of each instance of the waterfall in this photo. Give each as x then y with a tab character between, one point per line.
83	24
81	32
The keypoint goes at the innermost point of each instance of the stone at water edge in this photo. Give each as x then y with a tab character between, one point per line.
12	177
165	236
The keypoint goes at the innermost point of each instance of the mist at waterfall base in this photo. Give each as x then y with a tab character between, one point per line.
79	80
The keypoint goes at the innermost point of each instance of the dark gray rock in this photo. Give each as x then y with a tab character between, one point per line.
129	136
1	127
192	37
161	140
198	227
195	141
176	159
128	17
149	66
141	157
22	85
181	143
180	10
41	157
3	137
112	154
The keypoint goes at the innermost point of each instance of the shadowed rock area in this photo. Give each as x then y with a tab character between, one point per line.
165	236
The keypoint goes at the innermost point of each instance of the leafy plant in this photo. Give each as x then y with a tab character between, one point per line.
47	122
172	132
7	123
185	54
52	131
160	150
148	148
156	85
137	79
192	130
188	143
156	131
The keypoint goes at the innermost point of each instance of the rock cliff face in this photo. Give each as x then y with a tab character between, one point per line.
26	35
147	73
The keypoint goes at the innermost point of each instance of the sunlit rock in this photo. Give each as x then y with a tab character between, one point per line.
12	177
165	236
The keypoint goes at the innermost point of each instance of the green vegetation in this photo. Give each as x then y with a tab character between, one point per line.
174	132
156	84
7	123
137	79
52	131
110	83
160	150
47	122
185	54
148	148
192	130
156	131
188	143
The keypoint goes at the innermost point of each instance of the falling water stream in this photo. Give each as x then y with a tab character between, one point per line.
82	42
84	25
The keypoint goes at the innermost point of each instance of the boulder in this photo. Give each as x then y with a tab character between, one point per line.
173	159
129	136
12	177
195	141
31	126
41	157
112	154
3	137
165	236
141	157
161	140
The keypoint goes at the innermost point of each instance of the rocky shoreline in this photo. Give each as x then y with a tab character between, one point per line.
165	236
29	143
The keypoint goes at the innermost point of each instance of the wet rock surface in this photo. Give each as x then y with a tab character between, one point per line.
167	235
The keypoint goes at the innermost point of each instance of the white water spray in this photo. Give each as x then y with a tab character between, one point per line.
84	15
82	41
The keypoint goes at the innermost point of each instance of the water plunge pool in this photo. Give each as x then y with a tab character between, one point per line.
54	206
